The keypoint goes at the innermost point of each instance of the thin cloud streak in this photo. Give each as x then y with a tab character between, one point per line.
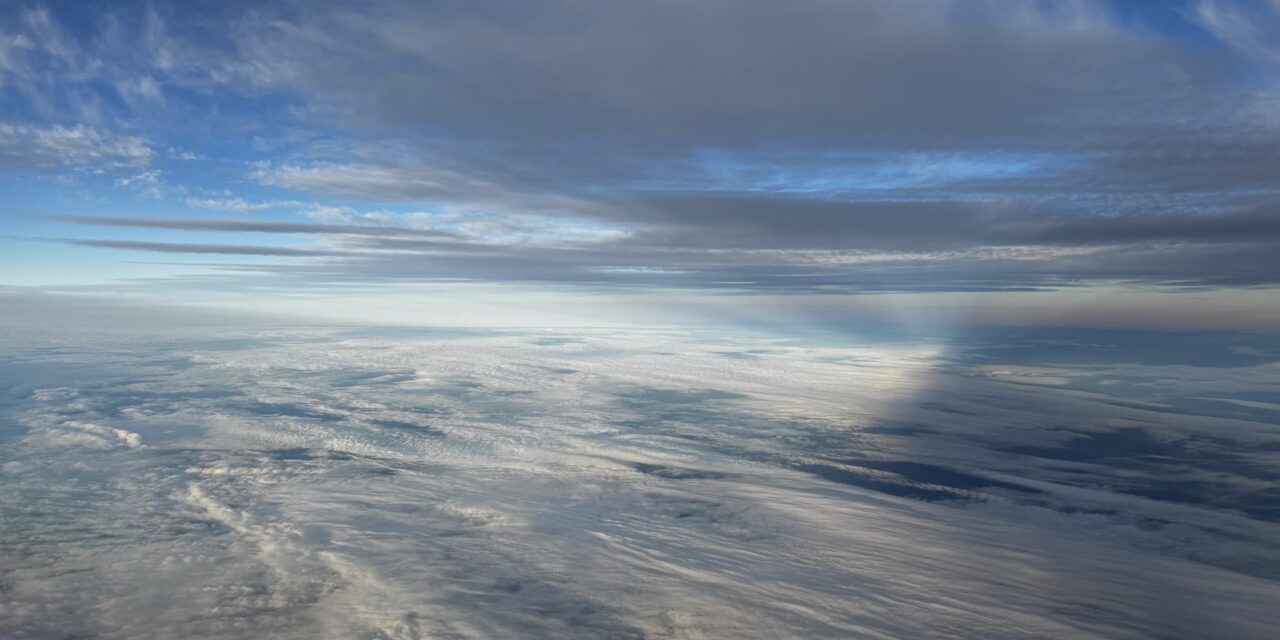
253	226
229	249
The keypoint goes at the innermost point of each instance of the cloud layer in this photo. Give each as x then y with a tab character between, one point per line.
837	147
402	483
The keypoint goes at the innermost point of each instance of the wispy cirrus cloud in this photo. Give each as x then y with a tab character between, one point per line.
241	205
46	147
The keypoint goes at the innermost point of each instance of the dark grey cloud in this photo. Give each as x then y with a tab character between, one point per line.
895	145
779	244
1250	228
725	74
918	128
761	221
254	226
571	97
181	247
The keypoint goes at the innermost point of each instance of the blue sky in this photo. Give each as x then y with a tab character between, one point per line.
744	156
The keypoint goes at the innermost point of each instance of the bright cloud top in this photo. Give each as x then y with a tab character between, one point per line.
410	484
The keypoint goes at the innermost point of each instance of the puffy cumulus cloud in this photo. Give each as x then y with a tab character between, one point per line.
73	433
407	483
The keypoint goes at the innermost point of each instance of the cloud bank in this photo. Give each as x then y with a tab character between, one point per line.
836	147
403	483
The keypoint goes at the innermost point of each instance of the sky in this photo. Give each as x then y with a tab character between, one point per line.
1085	163
399	319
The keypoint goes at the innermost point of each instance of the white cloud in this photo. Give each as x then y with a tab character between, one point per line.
147	179
384	183
42	147
241	205
595	483
1247	27
484	228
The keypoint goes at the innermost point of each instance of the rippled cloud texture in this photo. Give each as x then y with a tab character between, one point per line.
421	483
